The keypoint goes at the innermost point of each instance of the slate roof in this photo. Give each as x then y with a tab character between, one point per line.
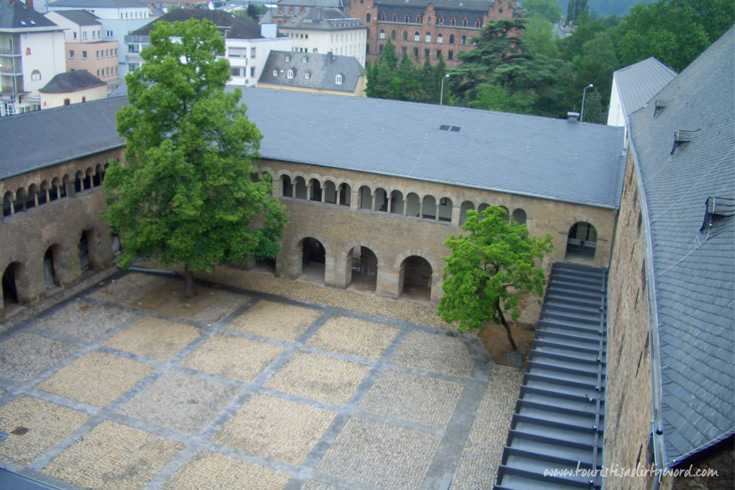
694	272
100	4
311	3
235	27
639	82
71	81
325	19
20	16
68	132
527	155
474	5
322	70
80	17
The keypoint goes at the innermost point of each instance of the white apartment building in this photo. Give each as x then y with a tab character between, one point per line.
325	30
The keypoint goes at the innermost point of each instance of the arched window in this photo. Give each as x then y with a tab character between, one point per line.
395	17
463	41
301	189
275	73
406	19
413	205
581	242
428	37
330	192
286	186
417	37
393	35
445	209
429	208
380	200
439	38
418	19
366	197
315	188
519	216
405	36
440	21
338	79
396	202
451	39
35	75
289	74
465	22
415	278
466	206
367	18
382	17
452	21
382	34
477	23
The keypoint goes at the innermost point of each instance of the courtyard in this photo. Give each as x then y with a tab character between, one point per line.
255	383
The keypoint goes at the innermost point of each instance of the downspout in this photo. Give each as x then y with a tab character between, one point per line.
657	432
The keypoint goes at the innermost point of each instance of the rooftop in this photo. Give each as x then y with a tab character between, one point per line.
312	70
71	81
694	271
234	27
80	17
19	16
323	19
638	83
100	4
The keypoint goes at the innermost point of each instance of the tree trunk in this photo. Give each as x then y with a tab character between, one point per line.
189	282
507	327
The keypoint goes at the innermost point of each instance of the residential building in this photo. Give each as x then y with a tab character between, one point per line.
31	53
72	87
85	48
312	72
425	30
117	18
246	43
327	30
287	10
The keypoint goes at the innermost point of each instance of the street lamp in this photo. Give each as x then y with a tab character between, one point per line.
584	92
441	90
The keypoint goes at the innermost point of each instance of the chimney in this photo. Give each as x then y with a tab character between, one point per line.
330	57
572	116
29	3
269	31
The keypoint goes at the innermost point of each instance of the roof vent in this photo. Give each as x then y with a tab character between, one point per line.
446	127
717	209
659	106
681	138
573	116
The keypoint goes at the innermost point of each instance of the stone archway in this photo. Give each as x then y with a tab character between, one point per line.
362	269
51	261
581	242
415	278
9	284
313	260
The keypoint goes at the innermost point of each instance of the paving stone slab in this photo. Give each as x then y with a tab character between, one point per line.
214	471
84	320
354	337
113	456
96	378
24	356
154	338
380	454
128	287
232	357
180	401
34	426
275	428
434	353
319	377
275	321
420	399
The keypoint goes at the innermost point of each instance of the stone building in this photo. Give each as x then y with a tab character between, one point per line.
424	30
312	72
362	205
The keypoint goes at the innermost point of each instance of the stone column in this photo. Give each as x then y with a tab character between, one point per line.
456	213
389	282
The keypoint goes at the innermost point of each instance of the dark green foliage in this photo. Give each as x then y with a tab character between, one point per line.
576	9
491	267
185	194
546	9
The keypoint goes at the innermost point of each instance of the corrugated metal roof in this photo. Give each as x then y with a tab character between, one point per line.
558	422
639	82
694	272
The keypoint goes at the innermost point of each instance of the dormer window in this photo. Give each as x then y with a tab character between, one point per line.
681	138
275	73
288	58
338	79
717	210
660	105
289	74
307	75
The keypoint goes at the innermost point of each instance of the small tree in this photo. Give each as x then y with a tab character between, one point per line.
490	269
187	193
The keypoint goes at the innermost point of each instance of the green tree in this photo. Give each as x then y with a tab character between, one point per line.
576	9
546	9
186	194
490	269
593	108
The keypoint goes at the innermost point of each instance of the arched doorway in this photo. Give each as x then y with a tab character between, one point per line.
581	242
50	261
10	288
415	278
362	269
313	260
83	248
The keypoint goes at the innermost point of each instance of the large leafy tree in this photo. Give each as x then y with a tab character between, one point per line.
490	269
186	193
546	9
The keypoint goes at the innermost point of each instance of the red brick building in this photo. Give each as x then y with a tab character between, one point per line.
424	28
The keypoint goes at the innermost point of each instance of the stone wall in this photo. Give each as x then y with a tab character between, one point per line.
629	401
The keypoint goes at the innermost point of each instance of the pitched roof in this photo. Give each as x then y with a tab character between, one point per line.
527	155
99	4
323	19
474	5
639	82
234	27
71	81
312	70
311	3
20	16
69	132
693	271
80	17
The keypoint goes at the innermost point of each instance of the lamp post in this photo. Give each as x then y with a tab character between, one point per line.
584	92
441	90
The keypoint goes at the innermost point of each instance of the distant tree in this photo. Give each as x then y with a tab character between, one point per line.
593	108
186	194
596	66
539	35
255	11
546	9
576	9
489	270
497	98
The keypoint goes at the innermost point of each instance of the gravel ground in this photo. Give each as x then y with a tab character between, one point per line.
354	337
24	356
154	338
275	428
434	353
98	320
319	377
275	321
97	378
114	457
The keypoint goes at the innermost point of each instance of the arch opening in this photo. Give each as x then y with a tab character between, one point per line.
287	187
330	192
415	278
366	197
315	188
466	206
581	242
519	216
83	249
363	269
445	209
345	194
9	284
50	261
381	200
396	202
313	260
301	190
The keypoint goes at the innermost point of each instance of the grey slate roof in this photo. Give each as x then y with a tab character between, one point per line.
80	17
100	4
322	70
694	275
324	19
474	5
639	82
20	16
311	3
528	155
67	132
235	27
71	81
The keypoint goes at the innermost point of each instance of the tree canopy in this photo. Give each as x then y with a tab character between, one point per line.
186	193
491	267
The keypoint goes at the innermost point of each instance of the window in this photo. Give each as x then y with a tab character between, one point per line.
406	19
451	39
289	74
404	50
98	54
450	55
75	35
453	21
84	35
477	23
67	101
98	72
465	22
252	52
382	17
237	52
133	48
288	58
307	75
428	21
35	75
235	72
428	37
393	35
84	99
438	53
405	36
252	71
367	18
94	34
115	51
382	34
416	53
439	38
275	73
417	37
380	50
395	17
440	21
338	79
463	41
71	54
427	53
84	55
